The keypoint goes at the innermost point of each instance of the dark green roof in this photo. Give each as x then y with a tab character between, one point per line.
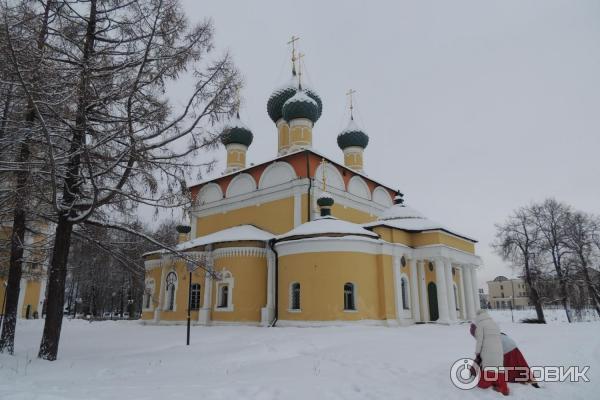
237	132
278	99
301	106
313	95
352	136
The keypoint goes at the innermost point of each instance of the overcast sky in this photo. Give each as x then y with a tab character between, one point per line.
473	108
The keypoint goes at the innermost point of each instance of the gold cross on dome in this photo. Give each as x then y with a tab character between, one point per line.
293	41
300	57
349	94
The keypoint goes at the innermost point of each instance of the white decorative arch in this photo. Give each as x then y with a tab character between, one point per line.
209	193
332	176
275	174
382	196
357	186
241	184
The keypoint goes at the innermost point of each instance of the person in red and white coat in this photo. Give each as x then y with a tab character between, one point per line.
489	351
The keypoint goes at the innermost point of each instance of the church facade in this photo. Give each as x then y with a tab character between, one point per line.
303	240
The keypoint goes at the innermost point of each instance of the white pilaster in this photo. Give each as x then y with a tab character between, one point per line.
297	209
414	290
22	289
442	292
267	313
424	298
204	312
474	285
161	293
450	290
468	291
463	306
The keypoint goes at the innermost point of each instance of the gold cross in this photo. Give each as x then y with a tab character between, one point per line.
349	94
293	41
300	57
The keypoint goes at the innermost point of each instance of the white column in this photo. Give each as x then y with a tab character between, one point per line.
463	306
442	292
397	288
423	286
468	291
161	291
204	312
475	291
450	290
22	289
297	209
268	312
414	290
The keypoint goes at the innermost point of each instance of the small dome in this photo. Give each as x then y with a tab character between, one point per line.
301	105
279	97
325	200
352	136
236	132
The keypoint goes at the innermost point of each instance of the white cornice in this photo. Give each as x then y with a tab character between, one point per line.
239	252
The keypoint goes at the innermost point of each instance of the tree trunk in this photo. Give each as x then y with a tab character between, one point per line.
533	295
564	296
7	340
56	290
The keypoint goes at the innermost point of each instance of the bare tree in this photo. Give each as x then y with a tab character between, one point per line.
30	25
517	241
119	142
551	219
583	231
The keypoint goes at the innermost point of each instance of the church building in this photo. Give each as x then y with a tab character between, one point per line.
303	240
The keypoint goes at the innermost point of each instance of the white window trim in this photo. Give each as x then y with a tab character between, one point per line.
149	283
229	281
199	297
176	288
405	312
355	293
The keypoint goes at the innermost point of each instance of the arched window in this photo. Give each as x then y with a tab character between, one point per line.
195	297
148	293
295	296
349	301
404	287
224	296
171	287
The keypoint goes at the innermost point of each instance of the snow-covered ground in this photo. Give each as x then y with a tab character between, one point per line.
125	360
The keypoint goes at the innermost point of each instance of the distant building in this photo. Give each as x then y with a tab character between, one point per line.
483	299
507	293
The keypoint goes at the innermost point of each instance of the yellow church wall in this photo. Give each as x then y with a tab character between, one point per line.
386	286
32	296
429	238
249	292
181	296
275	216
284	135
351	214
322	277
429	275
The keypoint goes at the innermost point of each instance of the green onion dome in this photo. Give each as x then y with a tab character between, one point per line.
315	96
301	105
325	200
236	132
279	97
352	136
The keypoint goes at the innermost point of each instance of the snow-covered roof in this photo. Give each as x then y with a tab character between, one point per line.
400	211
301	97
234	234
328	226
